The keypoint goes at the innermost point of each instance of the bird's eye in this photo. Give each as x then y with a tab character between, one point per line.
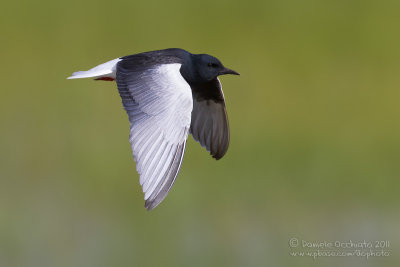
214	65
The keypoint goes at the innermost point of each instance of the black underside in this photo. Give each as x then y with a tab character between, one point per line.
207	91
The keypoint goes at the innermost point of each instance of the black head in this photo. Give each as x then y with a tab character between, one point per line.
209	67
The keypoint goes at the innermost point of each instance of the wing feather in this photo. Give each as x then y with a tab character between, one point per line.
159	104
210	125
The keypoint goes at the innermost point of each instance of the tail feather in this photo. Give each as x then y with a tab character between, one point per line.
107	69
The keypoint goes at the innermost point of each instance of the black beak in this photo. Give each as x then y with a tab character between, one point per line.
228	71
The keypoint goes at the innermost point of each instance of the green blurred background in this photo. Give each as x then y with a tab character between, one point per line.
315	134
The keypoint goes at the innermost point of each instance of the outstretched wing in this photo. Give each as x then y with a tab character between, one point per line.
159	104
210	125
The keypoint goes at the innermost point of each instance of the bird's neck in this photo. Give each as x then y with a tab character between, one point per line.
187	70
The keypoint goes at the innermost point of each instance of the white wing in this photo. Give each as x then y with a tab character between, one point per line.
159	104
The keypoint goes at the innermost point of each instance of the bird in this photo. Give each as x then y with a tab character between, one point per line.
168	94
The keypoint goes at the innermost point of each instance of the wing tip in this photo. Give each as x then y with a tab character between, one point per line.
156	198
219	155
151	204
220	151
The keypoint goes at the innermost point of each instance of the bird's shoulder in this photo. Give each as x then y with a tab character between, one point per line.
153	58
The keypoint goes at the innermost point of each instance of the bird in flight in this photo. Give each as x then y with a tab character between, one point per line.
168	94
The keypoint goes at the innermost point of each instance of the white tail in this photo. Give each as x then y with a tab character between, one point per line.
107	70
